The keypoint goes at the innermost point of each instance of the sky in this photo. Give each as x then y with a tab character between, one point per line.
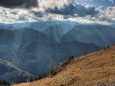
31	3
104	3
65	8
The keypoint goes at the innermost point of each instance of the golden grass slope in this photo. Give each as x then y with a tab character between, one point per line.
86	70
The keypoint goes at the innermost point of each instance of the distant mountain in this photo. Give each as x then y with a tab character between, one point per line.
12	74
94	69
30	48
35	40
47	55
95	34
7	37
54	32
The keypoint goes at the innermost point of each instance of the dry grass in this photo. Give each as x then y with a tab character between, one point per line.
84	71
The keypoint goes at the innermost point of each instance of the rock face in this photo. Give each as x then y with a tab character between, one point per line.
11	73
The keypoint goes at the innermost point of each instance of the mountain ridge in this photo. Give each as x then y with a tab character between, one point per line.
10	73
94	69
29	48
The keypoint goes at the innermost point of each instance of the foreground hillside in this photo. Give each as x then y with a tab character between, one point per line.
88	70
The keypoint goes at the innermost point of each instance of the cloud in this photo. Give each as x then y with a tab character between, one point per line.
67	7
110	12
19	3
73	8
106	14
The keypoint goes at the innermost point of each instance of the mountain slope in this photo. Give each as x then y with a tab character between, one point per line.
87	70
42	44
11	73
28	48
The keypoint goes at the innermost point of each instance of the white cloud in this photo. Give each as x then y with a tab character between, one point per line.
73	9
67	7
51	4
107	14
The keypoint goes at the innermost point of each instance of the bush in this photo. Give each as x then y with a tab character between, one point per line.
71	58
53	72
40	77
4	83
37	77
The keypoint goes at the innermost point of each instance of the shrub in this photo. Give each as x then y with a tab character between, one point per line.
37	77
71	58
4	83
53	72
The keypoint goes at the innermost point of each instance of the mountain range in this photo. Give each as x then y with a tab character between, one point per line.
30	48
93	69
34	41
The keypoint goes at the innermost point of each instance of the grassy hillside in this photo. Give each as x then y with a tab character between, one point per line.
87	70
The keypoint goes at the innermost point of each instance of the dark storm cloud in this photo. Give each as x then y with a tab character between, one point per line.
71	9
18	3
